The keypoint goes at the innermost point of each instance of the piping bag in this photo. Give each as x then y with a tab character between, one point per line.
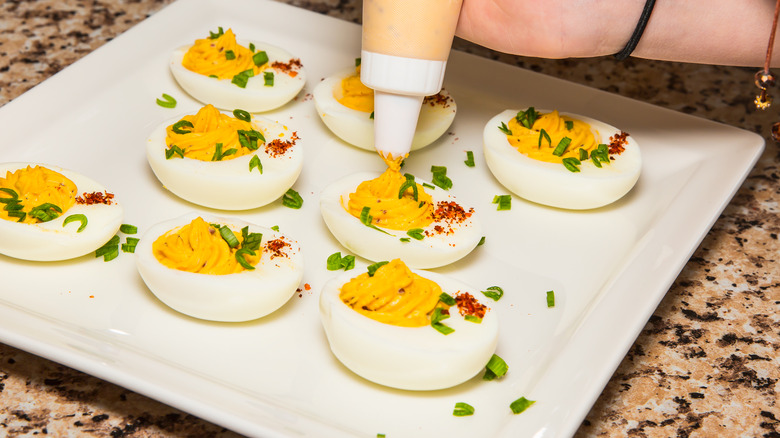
406	44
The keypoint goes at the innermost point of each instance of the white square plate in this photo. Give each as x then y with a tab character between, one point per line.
275	376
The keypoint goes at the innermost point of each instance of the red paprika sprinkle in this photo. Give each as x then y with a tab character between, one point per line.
468	305
278	147
276	247
291	67
95	198
617	143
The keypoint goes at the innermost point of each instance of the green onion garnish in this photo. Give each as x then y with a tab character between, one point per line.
275	228
173	150
336	261
167	101
527	117
447	299
405	239
11	192
228	236
562	145
583	154
242	115
494	292
214	76
292	199
550	298
218	154
372	268
440	177
436	319
109	250
371	116
255	162
252	47
416	233
504	202
546	136
219	33
481	241
474	319
250	240
230	55
463	409
249	138
571	164
408	184
130	244
357	62
495	368
182	123
76	217
260	58
20	214
367	220
128	229
428	186
469	159
242	78
505	129
569	124
268	77
240	256
45	212
520	405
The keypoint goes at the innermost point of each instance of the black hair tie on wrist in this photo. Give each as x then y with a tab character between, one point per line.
640	28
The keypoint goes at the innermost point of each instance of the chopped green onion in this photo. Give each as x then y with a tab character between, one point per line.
474	319
463	410
440	177
219	33
242	115
268	77
546	136
173	150
45	212
527	117
230	55
111	254
495	368
494	293
367	220
218	154
132	240
357	62
214	76
469	159
182	123
229	237
505	129
504	202
242	78
167	101
481	241
562	145
255	162
569	125
571	164
372	268
240	256
130	244
249	138
275	228
595	160
408	184
336	261
76	217
250	240
436	319
428	186
520	405
128	229
583	154
447	299
416	233
260	58
405	239
20	214
252	47
292	199
109	250
11	192
371	116
550	298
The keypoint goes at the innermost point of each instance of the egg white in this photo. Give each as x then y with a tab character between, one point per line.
551	183
228	184
357	128
50	241
430	252
412	358
256	97
244	296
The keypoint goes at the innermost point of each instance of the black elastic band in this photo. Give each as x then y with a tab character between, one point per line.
640	28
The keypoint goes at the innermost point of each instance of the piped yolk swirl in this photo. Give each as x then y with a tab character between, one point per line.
209	127
527	141
208	57
199	248
394	295
352	93
36	186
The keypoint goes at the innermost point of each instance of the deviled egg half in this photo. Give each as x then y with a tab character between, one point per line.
559	159
407	329
219	269
226	73
49	213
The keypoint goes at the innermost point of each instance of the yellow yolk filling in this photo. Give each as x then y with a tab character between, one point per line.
207	57
353	94
526	141
209	127
387	210
36	186
198	247
394	295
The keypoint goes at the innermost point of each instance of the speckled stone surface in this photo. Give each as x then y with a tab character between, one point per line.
705	365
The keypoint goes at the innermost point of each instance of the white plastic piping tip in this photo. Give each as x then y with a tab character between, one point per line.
395	122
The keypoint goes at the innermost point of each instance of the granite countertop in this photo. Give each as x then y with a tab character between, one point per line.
706	363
